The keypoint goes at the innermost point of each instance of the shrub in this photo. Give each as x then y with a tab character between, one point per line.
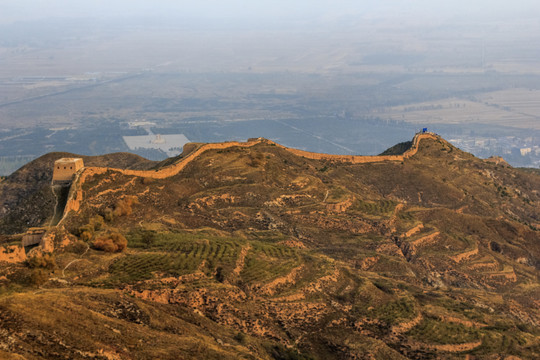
220	275
38	277
46	261
148	238
279	352
124	206
147	180
86	232
79	247
108	215
96	222
112	242
240	337
86	236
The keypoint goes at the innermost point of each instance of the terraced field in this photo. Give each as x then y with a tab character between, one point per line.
174	254
266	262
285	256
381	208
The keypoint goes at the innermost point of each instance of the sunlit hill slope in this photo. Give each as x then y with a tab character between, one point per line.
252	250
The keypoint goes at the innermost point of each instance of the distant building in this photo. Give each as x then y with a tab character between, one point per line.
65	168
525	151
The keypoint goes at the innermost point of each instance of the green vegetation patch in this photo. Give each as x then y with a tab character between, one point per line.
375	208
337	194
431	330
267	236
267	261
510	342
391	312
173	254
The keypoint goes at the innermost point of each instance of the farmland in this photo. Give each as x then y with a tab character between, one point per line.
332	94
518	108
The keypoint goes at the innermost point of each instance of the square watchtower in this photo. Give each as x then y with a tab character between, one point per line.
65	168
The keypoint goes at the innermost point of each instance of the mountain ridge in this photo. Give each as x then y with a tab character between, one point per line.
266	253
175	168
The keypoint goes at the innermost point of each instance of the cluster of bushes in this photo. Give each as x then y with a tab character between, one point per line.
111	242
45	261
42	266
122	207
86	232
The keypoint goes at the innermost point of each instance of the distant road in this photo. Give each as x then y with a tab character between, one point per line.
96	84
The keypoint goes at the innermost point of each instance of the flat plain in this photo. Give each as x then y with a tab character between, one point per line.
355	91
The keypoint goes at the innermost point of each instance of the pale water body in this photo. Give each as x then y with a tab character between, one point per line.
170	144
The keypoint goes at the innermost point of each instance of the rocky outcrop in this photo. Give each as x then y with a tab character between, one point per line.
12	254
497	160
367	263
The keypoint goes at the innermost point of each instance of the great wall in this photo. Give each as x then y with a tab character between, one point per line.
296	309
76	194
192	152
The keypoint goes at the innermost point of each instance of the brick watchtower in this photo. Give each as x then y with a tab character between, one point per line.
65	168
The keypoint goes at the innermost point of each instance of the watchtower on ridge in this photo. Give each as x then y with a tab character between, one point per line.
65	168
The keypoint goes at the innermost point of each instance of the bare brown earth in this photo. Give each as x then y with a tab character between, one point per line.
252	250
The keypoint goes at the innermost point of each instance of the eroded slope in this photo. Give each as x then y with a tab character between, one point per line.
435	254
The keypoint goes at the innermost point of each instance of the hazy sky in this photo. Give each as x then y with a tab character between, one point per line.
16	10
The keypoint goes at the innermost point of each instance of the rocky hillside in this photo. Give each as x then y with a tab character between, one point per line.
26	199
255	251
